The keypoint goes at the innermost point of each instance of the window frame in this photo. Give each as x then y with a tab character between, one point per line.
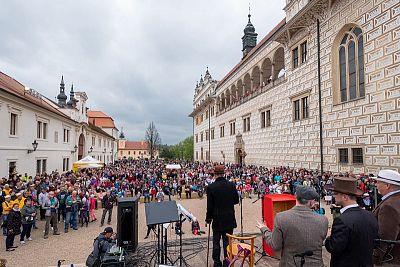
13	126
42	128
350	155
222	130
265	121
301	114
341	65
232	127
246	123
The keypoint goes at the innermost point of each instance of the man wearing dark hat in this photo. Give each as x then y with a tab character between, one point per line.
222	196
101	246
388	216
298	230
352	238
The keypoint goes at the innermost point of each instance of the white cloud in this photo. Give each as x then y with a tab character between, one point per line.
134	59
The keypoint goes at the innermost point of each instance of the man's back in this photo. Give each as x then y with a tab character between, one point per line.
221	198
302	230
352	239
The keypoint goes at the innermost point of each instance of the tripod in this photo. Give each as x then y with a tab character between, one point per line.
180	258
161	250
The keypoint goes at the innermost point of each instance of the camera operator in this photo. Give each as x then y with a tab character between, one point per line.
101	246
298	231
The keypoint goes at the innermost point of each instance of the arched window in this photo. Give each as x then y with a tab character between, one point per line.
351	65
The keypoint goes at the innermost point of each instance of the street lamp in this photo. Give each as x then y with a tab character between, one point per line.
75	149
34	146
104	151
90	150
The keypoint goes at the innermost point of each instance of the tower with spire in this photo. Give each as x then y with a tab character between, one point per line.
72	101
62	98
249	38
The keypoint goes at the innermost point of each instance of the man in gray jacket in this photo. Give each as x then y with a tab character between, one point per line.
298	232
50	205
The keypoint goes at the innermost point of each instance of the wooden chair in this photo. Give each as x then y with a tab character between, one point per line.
233	249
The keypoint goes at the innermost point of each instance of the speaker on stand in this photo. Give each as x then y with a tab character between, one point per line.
127	223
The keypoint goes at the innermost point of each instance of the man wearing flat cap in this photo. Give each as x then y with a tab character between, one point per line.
298	230
388	216
222	196
351	241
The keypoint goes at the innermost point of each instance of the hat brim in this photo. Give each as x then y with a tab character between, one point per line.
380	179
358	192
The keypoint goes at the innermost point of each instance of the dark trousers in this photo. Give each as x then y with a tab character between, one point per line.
103	216
42	214
51	218
216	253
26	231
10	241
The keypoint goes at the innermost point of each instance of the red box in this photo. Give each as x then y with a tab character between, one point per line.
272	205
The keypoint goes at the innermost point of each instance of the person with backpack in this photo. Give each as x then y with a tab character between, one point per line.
101	246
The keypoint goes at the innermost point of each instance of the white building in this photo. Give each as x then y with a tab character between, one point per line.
39	135
266	109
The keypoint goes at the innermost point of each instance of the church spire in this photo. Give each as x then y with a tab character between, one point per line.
249	38
62	98
72	100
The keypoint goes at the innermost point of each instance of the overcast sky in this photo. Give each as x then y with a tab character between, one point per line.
138	60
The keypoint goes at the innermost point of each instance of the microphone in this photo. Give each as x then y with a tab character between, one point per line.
307	253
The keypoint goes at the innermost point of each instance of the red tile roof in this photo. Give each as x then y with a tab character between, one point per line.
135	145
100	119
260	44
13	87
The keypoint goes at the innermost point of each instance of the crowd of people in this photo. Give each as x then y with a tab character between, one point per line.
71	198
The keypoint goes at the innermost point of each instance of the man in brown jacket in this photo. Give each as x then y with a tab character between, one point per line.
388	215
298	231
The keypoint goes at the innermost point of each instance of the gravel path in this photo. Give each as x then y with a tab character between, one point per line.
74	246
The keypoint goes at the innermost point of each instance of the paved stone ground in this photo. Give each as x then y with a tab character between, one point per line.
76	245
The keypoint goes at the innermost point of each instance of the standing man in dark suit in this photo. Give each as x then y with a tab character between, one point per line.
352	238
388	216
222	196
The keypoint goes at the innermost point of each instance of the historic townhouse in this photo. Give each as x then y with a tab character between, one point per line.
39	135
343	54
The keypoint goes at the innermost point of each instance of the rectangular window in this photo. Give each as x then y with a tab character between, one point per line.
197	138
222	131
56	137
296	106
201	137
303	48
206	114
304	105
38	166
207	135
39	130
232	128
93	141
212	134
295	56
357	154
197	155
13	123
66	135
266	118
246	124
343	155
65	164
99	142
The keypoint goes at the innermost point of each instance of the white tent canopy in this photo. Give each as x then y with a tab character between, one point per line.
173	166
87	162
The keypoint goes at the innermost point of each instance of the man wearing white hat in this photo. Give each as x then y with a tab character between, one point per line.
388	216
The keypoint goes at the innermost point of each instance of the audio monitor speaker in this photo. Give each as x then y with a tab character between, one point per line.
127	223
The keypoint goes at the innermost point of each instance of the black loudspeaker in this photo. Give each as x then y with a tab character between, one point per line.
127	223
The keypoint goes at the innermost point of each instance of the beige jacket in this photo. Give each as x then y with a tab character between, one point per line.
296	231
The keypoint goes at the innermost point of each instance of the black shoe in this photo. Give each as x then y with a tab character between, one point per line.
146	237
56	233
75	228
10	249
13	246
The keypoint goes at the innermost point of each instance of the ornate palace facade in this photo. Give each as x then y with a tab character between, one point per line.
344	53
